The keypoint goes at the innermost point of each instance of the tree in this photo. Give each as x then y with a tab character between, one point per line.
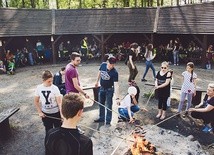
32	3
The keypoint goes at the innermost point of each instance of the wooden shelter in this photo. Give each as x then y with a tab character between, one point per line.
196	19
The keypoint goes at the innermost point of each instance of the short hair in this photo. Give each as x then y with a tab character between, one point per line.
190	64
165	63
74	55
63	68
71	104
46	75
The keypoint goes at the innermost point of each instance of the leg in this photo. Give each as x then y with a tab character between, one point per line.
180	106
102	98
174	57
130	71
159	107
47	122
123	113
109	96
135	108
153	70
147	68
164	104
189	101
57	123
135	73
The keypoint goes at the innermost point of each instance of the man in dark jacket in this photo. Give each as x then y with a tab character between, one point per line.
57	80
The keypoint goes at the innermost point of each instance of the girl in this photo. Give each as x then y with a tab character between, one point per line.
50	98
189	86
149	57
162	84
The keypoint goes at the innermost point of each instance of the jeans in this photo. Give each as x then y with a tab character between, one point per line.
124	111
105	96
149	64
176	57
189	101
50	123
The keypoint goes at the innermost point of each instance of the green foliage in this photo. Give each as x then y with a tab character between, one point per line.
147	95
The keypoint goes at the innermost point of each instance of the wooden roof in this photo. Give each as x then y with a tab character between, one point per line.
25	22
98	21
189	19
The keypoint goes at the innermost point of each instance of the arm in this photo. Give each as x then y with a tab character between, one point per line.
38	107
130	115
98	79
207	109
131	62
77	87
59	102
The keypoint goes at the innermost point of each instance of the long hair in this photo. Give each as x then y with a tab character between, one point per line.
191	65
148	49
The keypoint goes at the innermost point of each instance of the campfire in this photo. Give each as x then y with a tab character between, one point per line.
141	146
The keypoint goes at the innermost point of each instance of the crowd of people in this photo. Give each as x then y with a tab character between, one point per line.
61	112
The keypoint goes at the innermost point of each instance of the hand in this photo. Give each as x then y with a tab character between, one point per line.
156	87
197	106
194	93
131	120
96	84
191	109
133	67
86	96
144	109
41	114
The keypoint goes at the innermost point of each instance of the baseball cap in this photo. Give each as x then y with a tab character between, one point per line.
112	60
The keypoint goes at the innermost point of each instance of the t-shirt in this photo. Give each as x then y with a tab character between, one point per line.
188	87
63	141
134	56
107	77
47	97
165	91
126	102
70	73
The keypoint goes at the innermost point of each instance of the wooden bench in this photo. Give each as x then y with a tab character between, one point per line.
5	130
195	100
95	90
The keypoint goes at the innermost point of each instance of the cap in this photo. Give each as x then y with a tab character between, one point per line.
112	60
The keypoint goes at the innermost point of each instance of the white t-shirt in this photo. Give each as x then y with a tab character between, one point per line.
126	102
188	87
47	98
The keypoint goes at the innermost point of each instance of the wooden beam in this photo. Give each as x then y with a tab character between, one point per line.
54	52
156	20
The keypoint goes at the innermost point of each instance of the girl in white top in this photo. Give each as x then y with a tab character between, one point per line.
48	101
189	86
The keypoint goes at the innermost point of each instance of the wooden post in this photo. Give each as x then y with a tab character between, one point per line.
203	57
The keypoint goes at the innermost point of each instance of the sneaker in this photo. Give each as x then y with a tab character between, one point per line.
185	114
108	123
206	129
143	80
98	120
210	130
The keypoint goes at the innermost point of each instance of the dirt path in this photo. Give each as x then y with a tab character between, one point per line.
28	131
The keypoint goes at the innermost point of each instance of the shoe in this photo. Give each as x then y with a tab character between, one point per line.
143	80
210	130
162	117
108	123
206	129
185	114
98	120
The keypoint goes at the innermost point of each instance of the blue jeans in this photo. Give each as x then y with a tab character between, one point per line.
189	101
124	111
105	96
149	64
176	57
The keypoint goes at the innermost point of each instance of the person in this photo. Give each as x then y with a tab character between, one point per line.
171	84
48	101
149	57
129	105
57	80
176	52
72	83
132	58
84	49
205	110
40	51
66	140
2	68
209	57
169	51
108	77
188	87
162	85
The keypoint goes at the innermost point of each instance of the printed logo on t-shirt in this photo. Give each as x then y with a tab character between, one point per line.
104	75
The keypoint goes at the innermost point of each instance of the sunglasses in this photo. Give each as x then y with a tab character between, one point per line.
163	67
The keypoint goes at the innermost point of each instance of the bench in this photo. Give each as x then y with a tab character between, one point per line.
5	130
95	90
195	100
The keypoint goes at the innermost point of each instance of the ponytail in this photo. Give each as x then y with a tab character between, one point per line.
191	76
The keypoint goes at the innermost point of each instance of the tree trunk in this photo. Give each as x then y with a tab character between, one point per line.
135	3
80	4
6	4
57	4
23	3
158	2
125	3
32	3
162	3
177	3
69	4
1	5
